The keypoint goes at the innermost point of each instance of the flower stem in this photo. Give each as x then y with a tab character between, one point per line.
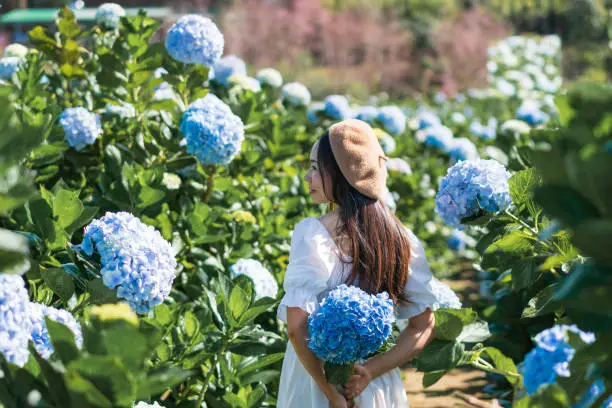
485	366
209	183
206	380
523	223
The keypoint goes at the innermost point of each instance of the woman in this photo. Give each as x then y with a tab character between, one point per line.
359	243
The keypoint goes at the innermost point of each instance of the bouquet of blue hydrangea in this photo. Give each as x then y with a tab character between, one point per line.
350	325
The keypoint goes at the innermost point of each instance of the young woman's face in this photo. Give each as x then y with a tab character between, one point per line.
314	178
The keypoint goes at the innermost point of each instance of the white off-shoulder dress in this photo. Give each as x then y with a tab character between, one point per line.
314	269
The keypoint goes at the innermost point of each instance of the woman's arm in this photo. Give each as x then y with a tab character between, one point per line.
420	331
297	330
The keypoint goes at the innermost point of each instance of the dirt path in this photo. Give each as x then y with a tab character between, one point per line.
446	392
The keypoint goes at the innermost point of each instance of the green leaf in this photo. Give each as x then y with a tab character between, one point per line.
501	362
516	242
525	272
14	249
259	363
99	293
191	324
163	314
431	378
86	216
108	375
474	332
161	379
86	390
52	373
259	306
240	297
63	341
522	185
256	396
440	355
541	303
59	281
338	374
448	326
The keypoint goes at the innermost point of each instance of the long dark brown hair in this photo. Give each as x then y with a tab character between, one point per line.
379	244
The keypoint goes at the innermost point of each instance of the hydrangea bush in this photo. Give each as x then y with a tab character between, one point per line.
296	94
470	188
108	15
393	119
212	132
15	325
195	39
264	282
270	77
227	67
81	127
135	259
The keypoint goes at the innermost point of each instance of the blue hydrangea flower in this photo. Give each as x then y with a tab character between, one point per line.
15	50
8	66
350	325
590	396
446	298
270	77
125	110
393	119
458	118
551	356
439	137
470	187
14	322
338	107
108	15
40	335
484	132
427	119
195	39
228	66
211	131
463	149
294	93
313	111
265	284
367	114
531	112
135	259
81	127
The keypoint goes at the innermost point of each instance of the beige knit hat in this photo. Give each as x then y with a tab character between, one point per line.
359	156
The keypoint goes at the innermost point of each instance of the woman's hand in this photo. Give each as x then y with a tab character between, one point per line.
358	382
336	399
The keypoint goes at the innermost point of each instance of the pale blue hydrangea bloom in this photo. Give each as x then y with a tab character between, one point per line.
228	66
9	66
483	132
135	259
125	110
515	127
40	335
350	324
143	404
459	240
446	298
399	165
367	114
551	356
108	15
463	149
270	77
244	82
458	118
15	325
15	50
471	187
195	39
393	119
530	111
264	282
439	137
338	107
212	132
295	93
313	111
386	141
81	127
427	119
